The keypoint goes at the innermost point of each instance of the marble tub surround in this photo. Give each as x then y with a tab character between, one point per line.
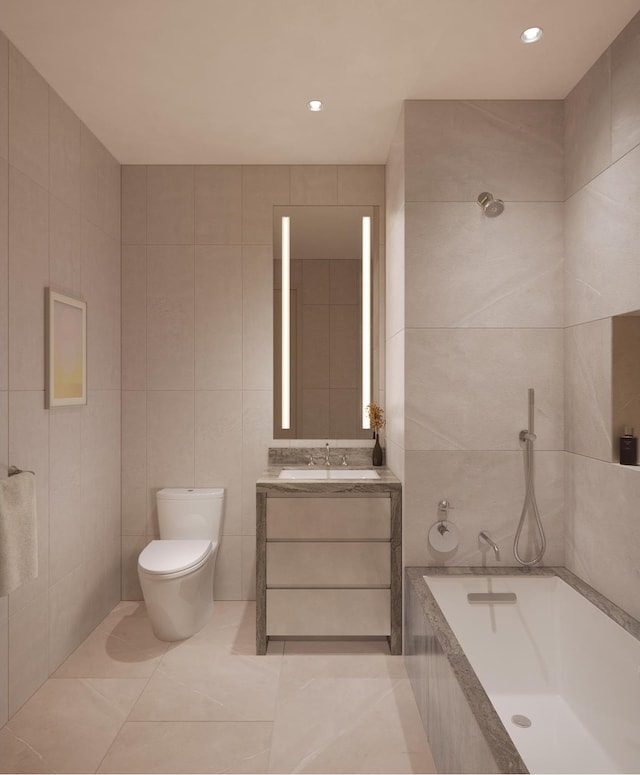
340	544
447	687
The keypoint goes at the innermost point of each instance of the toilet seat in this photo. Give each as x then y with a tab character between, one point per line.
164	557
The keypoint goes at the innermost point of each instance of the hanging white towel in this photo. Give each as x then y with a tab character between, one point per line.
18	532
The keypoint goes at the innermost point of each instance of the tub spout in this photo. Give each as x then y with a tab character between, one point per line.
486	538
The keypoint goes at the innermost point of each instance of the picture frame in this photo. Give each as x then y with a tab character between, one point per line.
65	350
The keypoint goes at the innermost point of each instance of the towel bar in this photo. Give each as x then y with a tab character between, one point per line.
13	470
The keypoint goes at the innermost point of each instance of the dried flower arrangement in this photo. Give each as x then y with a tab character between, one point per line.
376	416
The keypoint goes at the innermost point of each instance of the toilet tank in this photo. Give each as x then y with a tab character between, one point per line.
190	512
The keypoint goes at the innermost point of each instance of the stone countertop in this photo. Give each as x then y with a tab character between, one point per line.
270	483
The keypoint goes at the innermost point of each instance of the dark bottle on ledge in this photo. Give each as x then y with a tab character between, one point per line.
628	448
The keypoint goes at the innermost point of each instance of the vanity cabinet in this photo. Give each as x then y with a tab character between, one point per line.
328	565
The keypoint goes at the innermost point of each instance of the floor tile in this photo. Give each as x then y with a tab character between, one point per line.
331	725
70	723
122	646
339	659
198	683
178	747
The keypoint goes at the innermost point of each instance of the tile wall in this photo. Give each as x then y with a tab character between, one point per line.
602	279
197	377
483	319
59	227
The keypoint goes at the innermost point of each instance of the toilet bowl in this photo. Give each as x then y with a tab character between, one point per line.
176	572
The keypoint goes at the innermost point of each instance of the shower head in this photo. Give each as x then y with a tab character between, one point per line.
490	206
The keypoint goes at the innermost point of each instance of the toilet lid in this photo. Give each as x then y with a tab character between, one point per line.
173	556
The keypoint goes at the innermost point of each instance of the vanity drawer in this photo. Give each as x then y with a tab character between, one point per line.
328	612
326	564
328	519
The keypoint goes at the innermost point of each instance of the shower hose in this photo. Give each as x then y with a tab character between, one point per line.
529	502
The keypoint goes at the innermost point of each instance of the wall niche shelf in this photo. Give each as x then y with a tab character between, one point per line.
625	378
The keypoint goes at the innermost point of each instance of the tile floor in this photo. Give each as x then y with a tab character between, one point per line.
127	702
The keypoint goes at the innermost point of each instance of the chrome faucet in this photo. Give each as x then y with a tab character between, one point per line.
486	538
327	462
344	460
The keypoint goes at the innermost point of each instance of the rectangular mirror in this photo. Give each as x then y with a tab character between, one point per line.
324	261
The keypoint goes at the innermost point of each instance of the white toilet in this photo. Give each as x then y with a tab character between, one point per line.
176	572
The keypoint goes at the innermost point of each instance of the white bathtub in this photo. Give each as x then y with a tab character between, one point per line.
555	658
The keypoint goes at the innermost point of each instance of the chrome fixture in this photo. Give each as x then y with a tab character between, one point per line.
310	461
486	538
527	437
327	462
443	508
490	206
344	460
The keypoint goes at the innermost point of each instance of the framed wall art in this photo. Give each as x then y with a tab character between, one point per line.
66	350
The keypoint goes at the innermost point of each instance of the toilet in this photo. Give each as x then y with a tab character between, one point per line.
176	572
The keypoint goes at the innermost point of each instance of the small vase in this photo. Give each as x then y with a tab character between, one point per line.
376	455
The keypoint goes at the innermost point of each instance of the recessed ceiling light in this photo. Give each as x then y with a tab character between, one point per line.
314	105
531	35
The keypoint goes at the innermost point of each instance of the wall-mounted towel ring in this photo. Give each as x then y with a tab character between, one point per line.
13	470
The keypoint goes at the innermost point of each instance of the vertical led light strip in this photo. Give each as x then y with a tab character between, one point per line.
366	319
286	322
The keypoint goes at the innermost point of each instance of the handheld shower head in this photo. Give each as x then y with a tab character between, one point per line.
490	206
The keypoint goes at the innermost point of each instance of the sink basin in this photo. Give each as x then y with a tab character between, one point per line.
303	473
353	473
331	473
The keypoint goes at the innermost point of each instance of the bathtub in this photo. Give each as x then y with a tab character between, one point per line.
546	679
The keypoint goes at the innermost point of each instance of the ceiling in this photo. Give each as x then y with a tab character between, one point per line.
227	81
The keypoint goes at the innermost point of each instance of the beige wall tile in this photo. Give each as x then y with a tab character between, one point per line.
248	568
467	388
218	205
170	205
29	450
28	651
28	119
361	184
28	276
457	149
134	462
4	97
464	270
66	517
4	671
588	389
134	317
257	318
64	152
131	548
316	280
345	344
227	582
486	490
170	317
625	100
346	286
593	549
101	279
218	317
346	414
71	611
395	390
134	204
4	274
218	448
262	188
587	126
99	184
65	247
601	238
257	434
314	184
4	455
170	442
